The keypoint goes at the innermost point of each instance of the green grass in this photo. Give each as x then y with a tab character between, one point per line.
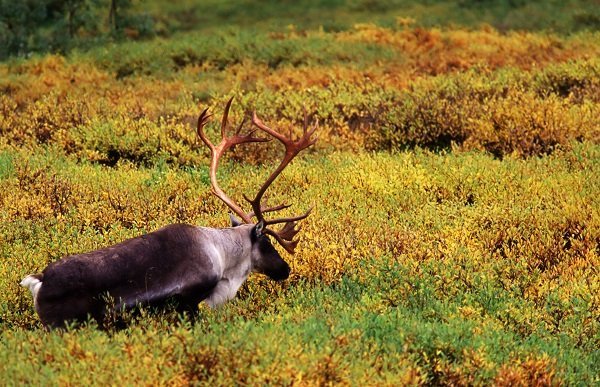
336	15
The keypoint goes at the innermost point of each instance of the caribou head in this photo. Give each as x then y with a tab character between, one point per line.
178	263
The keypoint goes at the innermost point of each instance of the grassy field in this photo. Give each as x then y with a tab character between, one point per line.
455	238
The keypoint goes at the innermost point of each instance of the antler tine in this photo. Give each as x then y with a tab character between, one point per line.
288	245
268	209
289	231
202	120
305	123
239	128
290	219
218	151
225	117
285	236
292	148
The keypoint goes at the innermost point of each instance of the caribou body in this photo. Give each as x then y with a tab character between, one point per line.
179	264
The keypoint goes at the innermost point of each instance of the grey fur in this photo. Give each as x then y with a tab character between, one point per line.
181	263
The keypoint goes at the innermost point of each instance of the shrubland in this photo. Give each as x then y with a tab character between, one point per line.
455	237
44	26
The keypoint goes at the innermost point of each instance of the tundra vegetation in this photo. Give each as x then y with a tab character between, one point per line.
455	237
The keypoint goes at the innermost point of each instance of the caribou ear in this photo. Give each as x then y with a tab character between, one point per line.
257	231
235	221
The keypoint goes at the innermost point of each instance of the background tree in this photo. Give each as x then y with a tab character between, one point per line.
58	26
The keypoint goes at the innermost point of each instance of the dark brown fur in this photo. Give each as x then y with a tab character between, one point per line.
150	269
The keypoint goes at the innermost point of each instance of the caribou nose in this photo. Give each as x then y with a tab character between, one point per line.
283	273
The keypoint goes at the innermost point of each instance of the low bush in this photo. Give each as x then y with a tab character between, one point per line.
454	237
417	263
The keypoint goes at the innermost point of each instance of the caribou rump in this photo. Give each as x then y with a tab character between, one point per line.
178	264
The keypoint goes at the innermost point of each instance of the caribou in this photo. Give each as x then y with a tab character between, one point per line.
179	264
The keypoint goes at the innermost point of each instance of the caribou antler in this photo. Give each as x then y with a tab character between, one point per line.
217	151
285	236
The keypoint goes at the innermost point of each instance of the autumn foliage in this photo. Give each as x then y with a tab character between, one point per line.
455	237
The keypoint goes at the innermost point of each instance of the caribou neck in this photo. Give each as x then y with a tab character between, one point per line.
234	248
231	255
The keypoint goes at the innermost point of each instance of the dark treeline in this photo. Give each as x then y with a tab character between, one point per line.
58	26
